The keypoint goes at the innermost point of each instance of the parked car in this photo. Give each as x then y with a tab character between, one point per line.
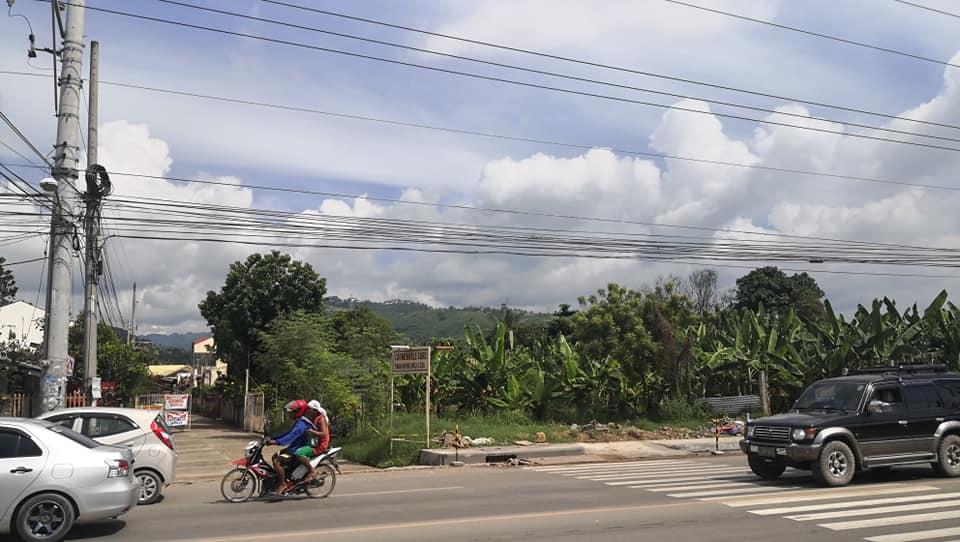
52	477
143	431
870	419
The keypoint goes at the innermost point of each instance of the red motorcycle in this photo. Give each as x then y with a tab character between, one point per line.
255	476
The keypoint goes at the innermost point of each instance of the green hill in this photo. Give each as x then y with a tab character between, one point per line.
420	323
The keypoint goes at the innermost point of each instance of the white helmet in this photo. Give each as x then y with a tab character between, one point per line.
314	404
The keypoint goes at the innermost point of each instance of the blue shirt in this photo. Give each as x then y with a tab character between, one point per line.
297	436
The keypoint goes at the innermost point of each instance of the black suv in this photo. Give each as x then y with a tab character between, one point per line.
869	419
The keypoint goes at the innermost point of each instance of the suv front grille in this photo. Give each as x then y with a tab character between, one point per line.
767	432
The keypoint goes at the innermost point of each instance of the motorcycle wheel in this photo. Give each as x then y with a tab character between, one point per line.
238	485
324	483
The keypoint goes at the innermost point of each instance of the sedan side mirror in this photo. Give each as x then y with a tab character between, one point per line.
875	407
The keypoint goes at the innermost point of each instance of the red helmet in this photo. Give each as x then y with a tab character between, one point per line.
298	408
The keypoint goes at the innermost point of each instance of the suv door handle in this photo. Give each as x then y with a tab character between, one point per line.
902	422
21	470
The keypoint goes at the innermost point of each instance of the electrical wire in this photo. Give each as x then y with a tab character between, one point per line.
928	8
596	64
559	75
506	137
815	34
526	84
24	138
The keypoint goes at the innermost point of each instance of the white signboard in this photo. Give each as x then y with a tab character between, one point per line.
411	360
95	388
175	402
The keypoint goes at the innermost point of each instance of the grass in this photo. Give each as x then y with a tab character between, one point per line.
373	448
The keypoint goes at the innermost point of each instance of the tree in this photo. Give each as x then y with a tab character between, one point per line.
778	293
362	335
299	362
256	292
701	288
117	360
8	284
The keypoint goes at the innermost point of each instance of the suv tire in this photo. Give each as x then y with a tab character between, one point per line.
948	456
835	466
766	469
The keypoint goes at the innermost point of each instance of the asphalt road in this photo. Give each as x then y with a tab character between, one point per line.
698	499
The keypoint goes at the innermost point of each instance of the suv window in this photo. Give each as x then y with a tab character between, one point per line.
16	445
101	426
831	396
922	397
950	392
890	398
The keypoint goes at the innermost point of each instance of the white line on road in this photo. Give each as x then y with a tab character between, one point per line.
895	520
816	495
743	477
706	484
662	475
661	471
726	492
877	510
606	465
852	504
395	491
916	535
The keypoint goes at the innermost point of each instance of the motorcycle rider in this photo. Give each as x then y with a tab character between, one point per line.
292	440
320	437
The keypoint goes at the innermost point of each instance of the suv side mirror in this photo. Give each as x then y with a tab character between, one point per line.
875	407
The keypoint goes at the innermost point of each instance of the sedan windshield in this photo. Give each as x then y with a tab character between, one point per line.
840	396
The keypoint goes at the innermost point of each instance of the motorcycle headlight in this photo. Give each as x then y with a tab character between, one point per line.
800	435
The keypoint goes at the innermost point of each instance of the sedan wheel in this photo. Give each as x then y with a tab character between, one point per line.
150	487
45	517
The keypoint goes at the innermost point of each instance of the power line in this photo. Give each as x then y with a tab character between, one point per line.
816	34
21	262
928	8
476	209
492	135
24	138
608	66
519	83
556	74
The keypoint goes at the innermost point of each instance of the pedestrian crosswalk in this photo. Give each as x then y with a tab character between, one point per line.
886	511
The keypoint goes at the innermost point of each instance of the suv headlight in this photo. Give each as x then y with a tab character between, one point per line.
800	434
749	431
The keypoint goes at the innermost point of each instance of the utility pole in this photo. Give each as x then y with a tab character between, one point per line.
91	227
66	163
133	317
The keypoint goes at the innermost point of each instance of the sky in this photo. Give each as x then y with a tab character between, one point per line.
174	136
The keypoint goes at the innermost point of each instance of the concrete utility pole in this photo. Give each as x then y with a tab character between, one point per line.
91	227
66	163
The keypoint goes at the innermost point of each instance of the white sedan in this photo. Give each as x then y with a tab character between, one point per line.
143	431
52	477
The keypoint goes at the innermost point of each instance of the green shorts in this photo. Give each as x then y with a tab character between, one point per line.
305	451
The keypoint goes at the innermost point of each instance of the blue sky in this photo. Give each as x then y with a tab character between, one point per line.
190	138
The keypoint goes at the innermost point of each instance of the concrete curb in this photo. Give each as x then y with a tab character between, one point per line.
499	454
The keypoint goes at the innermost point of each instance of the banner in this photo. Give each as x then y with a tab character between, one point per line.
175	402
177	418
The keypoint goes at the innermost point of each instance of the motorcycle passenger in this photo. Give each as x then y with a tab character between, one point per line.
292	440
320	437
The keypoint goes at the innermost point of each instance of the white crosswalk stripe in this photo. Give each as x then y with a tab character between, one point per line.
893	507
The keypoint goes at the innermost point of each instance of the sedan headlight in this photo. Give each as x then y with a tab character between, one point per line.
800	434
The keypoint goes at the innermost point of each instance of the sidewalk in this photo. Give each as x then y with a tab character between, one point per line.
581	452
205	451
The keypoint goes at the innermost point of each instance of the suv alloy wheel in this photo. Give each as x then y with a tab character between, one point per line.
836	464
948	456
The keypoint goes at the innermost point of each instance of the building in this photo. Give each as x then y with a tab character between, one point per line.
204	350
22	323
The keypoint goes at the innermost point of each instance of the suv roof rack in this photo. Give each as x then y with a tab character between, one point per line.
900	369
